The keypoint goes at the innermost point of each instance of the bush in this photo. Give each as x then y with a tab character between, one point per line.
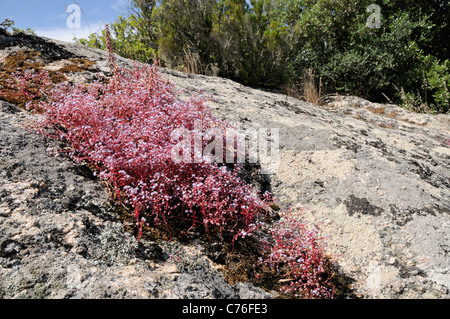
130	40
229	38
438	82
270	44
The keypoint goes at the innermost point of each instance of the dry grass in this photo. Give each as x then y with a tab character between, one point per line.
309	88
294	90
189	63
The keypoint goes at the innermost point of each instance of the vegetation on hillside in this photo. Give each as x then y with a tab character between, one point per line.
272	44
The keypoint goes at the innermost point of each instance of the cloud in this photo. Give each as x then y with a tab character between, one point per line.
55	16
120	6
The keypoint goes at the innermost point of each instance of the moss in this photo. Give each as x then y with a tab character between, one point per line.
387	125
57	77
392	115
19	62
28	60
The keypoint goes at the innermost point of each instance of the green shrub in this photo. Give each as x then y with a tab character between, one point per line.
438	81
271	43
129	40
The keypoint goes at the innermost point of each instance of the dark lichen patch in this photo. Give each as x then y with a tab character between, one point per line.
427	175
84	170
10	248
349	145
48	49
410	271
379	145
291	107
400	217
403	216
361	206
422	170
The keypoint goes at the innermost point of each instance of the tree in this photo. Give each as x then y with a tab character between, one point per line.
271	43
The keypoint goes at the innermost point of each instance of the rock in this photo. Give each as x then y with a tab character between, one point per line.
61	236
9	248
392	261
150	251
375	176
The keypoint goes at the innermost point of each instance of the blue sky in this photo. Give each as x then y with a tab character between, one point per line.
49	17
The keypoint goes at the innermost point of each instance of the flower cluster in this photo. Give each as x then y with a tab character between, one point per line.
124	129
297	254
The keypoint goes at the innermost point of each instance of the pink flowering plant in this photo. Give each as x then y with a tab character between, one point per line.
124	129
297	254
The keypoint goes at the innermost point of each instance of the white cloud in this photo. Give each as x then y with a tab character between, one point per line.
63	34
59	16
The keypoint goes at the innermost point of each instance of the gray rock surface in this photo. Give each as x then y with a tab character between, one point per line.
376	177
61	237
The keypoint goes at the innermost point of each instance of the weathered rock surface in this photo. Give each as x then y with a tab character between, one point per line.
375	176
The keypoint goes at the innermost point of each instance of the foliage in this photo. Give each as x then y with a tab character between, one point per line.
271	44
297	254
438	82
129	40
228	38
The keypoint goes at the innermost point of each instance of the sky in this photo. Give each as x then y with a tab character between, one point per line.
49	18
